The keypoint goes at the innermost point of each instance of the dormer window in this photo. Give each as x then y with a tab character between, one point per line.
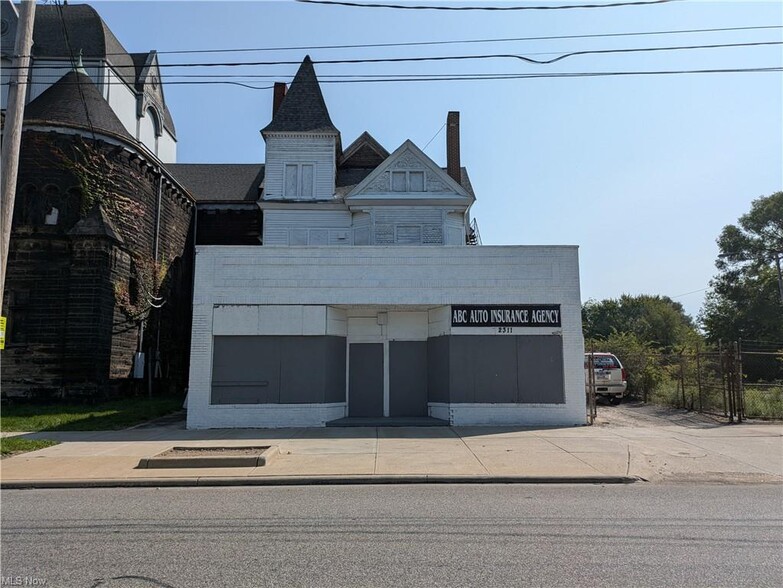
299	180
408	181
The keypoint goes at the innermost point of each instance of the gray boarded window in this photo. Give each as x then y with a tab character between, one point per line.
291	180
416	181
399	183
408	235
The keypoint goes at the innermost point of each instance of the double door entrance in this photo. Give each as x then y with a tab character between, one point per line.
387	375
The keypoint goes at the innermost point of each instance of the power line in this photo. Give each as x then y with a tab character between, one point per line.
485	77
462	41
433	137
451	57
483	8
691	292
327	78
73	65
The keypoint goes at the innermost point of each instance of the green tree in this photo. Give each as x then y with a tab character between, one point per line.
746	297
656	321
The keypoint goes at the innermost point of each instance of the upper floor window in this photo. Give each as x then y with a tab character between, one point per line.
299	180
407	181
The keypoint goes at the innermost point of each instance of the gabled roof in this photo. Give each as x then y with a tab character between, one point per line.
364	152
220	182
376	186
146	65
61	104
303	109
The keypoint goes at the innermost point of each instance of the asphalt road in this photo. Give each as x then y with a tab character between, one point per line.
366	536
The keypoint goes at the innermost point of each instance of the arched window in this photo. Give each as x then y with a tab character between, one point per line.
153	115
150	129
52	205
31	207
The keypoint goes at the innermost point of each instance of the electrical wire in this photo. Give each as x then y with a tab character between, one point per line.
483	8
73	65
463	41
450	57
484	77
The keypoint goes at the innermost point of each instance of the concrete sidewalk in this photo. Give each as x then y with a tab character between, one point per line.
610	452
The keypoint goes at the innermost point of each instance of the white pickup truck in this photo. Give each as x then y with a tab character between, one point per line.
611	379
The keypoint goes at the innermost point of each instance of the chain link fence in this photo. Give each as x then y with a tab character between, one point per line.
736	380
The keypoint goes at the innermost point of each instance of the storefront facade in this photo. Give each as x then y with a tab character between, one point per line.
300	336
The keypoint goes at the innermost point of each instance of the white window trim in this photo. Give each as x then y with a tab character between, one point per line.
299	176
408	173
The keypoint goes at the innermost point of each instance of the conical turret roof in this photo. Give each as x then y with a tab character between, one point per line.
303	109
61	104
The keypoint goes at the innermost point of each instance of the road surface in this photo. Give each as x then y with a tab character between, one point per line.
367	536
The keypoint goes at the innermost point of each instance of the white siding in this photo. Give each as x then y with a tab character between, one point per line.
307	227
420	225
147	132
47	72
300	149
362	227
455	229
122	101
167	148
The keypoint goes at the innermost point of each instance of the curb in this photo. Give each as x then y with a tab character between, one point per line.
206	481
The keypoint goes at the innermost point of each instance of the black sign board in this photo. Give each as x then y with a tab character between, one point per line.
506	315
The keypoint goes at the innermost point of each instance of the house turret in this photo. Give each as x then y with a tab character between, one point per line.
302	143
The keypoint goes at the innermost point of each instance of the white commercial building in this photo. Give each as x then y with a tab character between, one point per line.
367	297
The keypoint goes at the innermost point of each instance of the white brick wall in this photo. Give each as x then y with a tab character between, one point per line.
385	277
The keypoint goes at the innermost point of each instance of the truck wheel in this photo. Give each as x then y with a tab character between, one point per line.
615	400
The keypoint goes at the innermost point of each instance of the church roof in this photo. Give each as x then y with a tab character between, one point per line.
61	104
90	35
86	33
303	109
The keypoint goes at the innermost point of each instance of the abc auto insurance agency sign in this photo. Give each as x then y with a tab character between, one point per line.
506	316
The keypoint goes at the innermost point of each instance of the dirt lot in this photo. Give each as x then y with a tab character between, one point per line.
633	413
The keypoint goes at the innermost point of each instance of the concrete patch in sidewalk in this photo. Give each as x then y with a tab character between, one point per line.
210	457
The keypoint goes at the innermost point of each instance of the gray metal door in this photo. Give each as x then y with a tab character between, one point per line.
365	380
407	378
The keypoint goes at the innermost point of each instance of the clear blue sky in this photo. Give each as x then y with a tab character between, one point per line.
642	172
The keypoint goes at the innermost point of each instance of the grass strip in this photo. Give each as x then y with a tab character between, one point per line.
12	445
104	416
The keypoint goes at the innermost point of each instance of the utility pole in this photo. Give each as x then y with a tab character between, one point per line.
780	275
12	133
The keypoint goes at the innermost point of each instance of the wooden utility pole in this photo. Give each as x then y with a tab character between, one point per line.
12	133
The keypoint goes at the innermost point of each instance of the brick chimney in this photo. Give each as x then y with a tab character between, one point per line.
279	94
452	146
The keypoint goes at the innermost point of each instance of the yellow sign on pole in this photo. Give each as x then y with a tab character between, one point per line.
2	332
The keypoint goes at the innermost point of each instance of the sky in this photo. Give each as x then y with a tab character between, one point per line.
641	172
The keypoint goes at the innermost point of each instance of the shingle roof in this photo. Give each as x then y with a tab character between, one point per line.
365	151
61	103
350	177
86	33
303	109
220	182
